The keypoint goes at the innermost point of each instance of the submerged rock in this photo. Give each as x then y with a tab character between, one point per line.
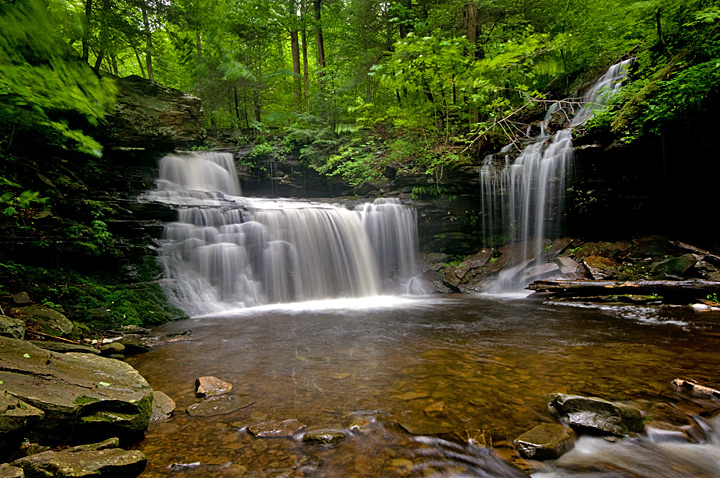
77	391
324	437
219	405
211	386
597	414
547	441
276	429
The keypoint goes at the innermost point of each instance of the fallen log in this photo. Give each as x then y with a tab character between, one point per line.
695	388
683	290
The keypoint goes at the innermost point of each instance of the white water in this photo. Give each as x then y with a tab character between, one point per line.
227	252
523	201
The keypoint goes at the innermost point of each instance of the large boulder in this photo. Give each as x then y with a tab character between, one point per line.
598	415
149	115
78	392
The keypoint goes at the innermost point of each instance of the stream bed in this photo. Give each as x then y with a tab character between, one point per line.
425	386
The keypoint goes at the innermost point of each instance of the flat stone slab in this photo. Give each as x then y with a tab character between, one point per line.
219	405
276	429
75	390
112	462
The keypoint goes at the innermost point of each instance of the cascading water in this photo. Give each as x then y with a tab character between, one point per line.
522	201
226	251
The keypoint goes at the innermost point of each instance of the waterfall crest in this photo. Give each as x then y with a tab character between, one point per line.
523	201
227	252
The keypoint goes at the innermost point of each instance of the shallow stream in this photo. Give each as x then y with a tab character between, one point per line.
458	372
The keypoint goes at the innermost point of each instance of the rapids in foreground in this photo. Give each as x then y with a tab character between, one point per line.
430	387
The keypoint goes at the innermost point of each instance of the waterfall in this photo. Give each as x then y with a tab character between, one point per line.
523	200
226	252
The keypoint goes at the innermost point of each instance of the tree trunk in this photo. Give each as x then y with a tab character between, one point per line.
297	83
305	70
137	55
198	44
317	7
148	42
86	31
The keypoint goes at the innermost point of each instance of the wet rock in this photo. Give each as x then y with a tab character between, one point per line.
110	462
113	348
361	423
547	441
450	278
539	272
14	328
601	267
77	391
429	282
63	347
324	437
674	267
149	115
276	429
211	386
219	405
162	406
52	321
8	471
21	298
667	423
16	417
135	345
597	414
570	269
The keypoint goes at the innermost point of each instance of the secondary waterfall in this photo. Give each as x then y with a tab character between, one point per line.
226	251
523	201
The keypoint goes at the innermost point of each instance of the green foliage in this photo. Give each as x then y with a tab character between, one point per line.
90	301
43	89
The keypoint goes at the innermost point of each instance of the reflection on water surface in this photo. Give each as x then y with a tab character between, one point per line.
458	369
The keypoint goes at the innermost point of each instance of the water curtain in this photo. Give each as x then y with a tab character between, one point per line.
523	200
226	251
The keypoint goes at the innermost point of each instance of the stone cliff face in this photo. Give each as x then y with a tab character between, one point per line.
153	117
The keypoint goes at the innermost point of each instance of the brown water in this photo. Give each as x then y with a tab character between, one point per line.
468	370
